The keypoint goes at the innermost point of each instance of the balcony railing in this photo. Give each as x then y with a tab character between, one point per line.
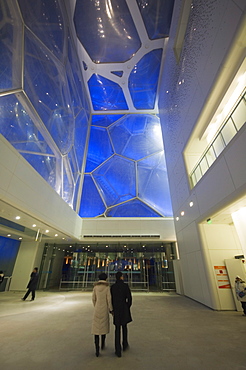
227	131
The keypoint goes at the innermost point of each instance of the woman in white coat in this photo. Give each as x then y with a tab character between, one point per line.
101	298
240	288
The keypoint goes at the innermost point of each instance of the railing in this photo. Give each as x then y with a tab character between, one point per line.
228	130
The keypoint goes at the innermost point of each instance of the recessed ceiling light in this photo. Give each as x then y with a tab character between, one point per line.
17	217
191	204
34	225
20	238
9	235
56	234
47	231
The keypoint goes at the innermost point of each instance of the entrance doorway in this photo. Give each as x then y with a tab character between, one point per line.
146	267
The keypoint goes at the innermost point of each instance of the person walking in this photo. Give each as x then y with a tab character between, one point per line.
32	285
121	301
240	288
101	299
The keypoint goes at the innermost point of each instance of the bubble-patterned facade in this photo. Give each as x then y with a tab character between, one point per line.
78	99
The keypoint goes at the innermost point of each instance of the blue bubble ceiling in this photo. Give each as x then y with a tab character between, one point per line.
121	45
81	103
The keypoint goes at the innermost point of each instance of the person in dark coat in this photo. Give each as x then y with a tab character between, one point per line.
121	302
32	285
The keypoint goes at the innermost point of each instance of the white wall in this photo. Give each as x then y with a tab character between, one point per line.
130	226
22	187
186	87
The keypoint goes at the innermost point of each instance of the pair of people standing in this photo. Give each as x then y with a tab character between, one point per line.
116	300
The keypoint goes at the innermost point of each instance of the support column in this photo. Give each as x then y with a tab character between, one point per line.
29	256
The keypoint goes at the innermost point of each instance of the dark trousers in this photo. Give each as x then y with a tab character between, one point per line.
27	294
244	307
118	338
96	340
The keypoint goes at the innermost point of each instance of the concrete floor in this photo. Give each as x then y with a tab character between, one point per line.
168	332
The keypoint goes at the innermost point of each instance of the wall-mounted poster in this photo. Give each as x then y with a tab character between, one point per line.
222	277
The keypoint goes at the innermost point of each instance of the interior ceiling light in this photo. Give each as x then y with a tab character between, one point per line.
20	238
177	218
47	231
34	225
56	234
9	235
17	217
182	213
191	204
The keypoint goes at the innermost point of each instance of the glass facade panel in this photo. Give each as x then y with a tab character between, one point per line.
137	135
153	187
44	165
106	30
239	114
228	131
18	128
91	204
68	183
106	94
143	80
11	32
116	180
51	97
131	209
100	148
105	120
157	15
80	134
45	19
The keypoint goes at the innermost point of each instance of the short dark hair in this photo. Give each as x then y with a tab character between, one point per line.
118	275
103	276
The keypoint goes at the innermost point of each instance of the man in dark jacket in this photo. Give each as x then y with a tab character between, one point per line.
32	285
121	301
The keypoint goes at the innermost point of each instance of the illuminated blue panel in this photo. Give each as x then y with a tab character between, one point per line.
81	127
11	32
133	208
117	73
51	96
45	166
157	15
105	120
153	185
77	90
143	80
106	94
116	180
137	135
100	148
8	252
71	157
106	30
91	203
18	128
45	19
